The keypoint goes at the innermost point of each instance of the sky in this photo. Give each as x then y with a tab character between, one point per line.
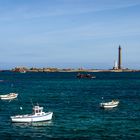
69	33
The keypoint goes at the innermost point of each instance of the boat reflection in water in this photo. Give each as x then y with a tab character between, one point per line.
41	124
33	124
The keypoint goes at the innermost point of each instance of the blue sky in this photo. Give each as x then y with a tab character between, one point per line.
69	33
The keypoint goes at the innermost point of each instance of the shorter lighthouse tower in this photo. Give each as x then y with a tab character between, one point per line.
115	65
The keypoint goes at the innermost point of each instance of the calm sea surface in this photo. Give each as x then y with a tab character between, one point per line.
75	103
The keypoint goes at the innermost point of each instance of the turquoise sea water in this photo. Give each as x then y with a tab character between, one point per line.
75	103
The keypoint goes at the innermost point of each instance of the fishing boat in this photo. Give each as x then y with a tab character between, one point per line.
9	96
113	103
37	116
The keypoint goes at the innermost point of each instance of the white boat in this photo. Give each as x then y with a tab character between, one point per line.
37	116
111	104
23	71
9	96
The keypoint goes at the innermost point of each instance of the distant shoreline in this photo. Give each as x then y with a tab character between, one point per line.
96	71
24	70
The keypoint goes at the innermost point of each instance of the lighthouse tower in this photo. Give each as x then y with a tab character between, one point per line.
119	58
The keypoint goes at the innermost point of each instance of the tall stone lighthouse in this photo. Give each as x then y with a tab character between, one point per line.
120	58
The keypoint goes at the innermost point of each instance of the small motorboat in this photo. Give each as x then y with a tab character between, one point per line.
22	71
79	75
37	116
9	96
113	103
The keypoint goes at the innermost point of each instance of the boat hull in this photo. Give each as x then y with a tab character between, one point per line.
31	118
8	97
109	104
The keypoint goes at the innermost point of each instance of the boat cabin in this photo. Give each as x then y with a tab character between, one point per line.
37	110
